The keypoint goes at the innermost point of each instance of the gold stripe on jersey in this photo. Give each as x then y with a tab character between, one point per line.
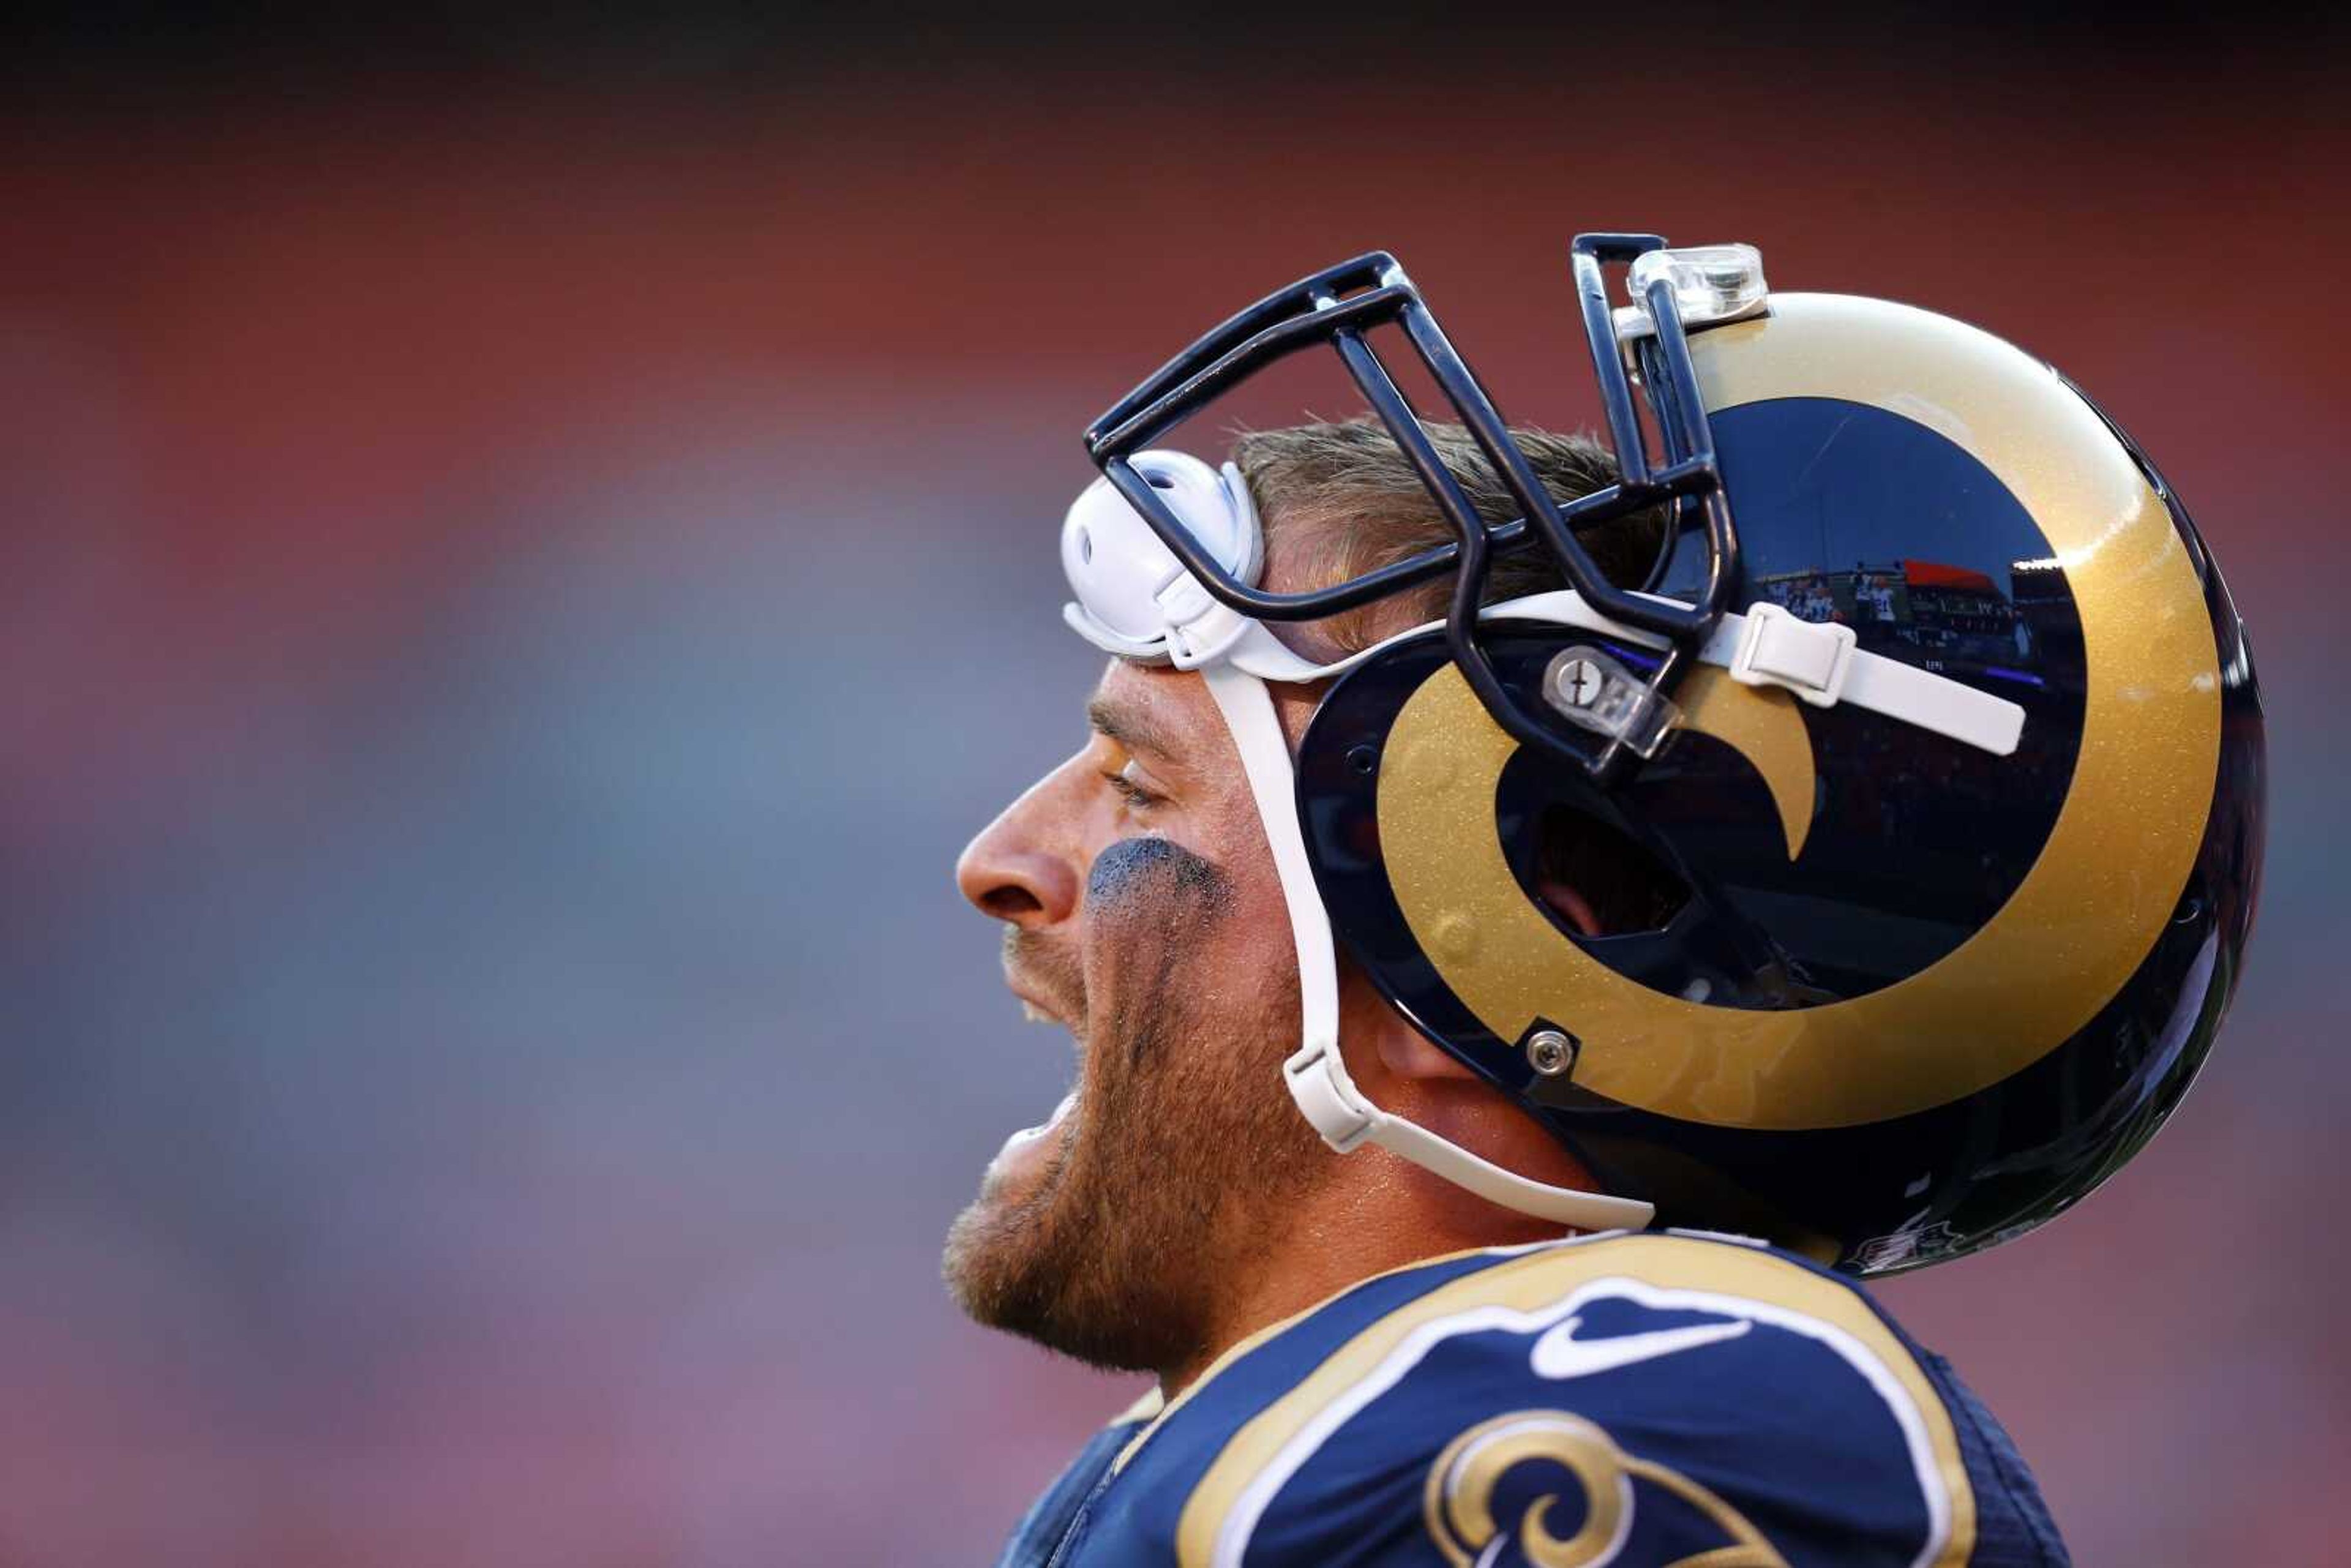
1544	1277
1242	1346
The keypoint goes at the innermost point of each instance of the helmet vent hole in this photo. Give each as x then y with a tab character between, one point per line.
1161	482
1086	546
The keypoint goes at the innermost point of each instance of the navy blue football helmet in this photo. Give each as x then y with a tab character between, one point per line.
1931	723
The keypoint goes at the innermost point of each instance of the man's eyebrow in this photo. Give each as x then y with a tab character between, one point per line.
1130	727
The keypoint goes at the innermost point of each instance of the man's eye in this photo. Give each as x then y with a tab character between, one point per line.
1128	791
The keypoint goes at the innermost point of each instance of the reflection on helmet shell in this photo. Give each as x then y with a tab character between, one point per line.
1877	1050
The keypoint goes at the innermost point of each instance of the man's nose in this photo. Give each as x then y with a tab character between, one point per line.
1013	872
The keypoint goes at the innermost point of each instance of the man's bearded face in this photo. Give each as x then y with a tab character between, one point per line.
1142	913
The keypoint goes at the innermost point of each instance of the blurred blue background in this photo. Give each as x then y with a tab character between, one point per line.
527	545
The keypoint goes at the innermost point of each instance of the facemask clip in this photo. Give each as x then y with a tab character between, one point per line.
1592	691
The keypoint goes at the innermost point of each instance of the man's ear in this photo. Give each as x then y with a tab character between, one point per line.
1408	1075
1384	1051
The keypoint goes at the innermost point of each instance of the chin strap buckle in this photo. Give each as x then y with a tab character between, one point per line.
1328	1097
1810	658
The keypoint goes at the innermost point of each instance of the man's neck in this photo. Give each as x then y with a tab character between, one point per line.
1388	1216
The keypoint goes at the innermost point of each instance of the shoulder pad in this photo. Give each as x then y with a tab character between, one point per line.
1630	1399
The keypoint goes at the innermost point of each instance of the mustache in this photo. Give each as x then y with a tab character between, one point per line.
1048	969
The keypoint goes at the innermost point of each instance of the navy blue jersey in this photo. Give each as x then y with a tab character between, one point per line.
1634	1400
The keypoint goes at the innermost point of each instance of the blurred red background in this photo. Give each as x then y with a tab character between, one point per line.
527	547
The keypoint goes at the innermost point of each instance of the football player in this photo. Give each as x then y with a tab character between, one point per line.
1814	834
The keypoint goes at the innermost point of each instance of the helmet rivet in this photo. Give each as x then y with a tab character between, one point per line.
1579	682
1364	758
1550	1052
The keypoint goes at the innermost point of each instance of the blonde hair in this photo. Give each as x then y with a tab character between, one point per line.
1338	500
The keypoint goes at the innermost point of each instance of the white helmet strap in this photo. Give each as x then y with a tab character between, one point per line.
1316	1073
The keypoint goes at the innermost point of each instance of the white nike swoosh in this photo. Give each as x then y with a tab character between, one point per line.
1559	1354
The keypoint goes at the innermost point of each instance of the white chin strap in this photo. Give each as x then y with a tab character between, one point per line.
1135	600
1316	1073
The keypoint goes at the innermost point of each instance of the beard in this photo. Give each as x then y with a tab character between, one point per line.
1172	1169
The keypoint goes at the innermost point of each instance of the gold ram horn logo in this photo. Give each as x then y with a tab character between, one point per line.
2073	930
1763	725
